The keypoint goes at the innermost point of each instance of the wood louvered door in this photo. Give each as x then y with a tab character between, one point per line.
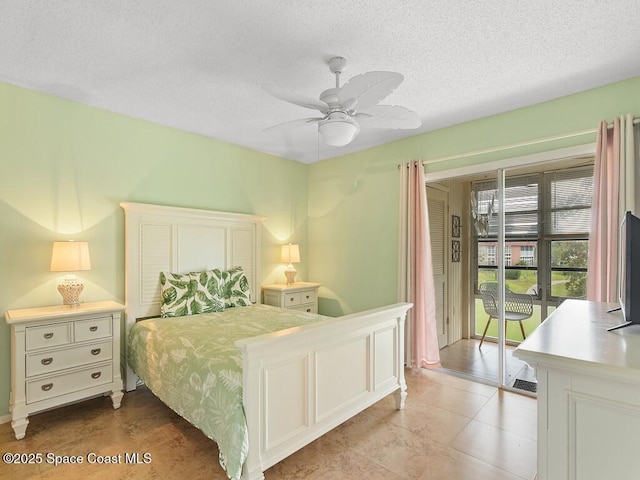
438	206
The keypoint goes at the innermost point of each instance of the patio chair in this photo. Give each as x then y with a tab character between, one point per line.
518	306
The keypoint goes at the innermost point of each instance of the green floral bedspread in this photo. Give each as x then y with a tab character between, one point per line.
192	365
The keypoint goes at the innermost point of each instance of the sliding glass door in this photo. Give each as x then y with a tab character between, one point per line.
530	243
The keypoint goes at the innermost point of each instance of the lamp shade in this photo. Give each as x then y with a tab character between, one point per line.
290	254
338	130
70	257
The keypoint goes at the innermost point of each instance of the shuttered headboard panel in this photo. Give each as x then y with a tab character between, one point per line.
180	240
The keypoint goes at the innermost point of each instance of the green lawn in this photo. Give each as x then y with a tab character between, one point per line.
526	281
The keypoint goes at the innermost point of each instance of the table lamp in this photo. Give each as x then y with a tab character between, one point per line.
290	255
70	257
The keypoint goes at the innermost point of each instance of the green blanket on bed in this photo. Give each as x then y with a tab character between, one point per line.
192	365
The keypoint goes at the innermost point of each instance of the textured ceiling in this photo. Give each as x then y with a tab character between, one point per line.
198	65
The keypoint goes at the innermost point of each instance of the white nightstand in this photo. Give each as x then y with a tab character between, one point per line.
296	296
63	354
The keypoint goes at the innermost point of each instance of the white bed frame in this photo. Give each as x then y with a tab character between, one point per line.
298	383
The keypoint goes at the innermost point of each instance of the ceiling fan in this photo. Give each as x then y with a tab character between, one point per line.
351	106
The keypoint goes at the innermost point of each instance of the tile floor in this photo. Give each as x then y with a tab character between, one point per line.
451	429
466	358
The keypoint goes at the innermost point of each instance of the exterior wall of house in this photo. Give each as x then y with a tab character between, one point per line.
515	251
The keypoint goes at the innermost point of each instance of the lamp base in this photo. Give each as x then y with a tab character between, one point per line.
70	290
290	273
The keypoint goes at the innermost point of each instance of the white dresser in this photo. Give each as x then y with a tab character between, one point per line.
588	393
297	296
63	354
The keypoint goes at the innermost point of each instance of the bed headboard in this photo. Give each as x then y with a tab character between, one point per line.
181	240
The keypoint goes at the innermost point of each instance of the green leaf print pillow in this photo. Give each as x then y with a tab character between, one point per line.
189	294
235	288
178	294
209	288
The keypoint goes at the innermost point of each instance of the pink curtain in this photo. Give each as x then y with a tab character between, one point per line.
602	266
415	268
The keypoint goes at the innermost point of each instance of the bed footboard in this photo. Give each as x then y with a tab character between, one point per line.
300	383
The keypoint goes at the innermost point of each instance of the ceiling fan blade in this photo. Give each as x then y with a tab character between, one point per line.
293	124
367	89
389	116
296	98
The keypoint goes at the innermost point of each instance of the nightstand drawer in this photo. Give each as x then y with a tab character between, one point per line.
291	299
47	336
308	296
301	296
92	329
305	308
52	361
58	385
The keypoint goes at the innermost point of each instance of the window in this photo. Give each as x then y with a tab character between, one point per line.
488	254
521	229
547	219
527	255
567	219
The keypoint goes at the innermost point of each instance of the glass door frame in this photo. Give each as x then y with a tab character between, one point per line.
500	250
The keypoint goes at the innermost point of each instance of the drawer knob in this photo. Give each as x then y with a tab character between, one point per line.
48	335
93	329
96	375
46	361
308	296
96	351
291	299
47	386
309	310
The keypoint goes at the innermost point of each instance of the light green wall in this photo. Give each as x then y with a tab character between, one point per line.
353	200
64	169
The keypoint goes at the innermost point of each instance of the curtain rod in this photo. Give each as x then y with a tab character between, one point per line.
636	120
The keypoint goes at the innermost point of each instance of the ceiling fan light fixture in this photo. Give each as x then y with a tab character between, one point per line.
340	106
338	130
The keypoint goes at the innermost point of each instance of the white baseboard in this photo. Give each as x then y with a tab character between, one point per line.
5	419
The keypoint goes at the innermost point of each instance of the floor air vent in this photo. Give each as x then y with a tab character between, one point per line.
525	385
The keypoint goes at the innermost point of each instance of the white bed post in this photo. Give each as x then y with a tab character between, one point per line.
130	378
252	401
401	394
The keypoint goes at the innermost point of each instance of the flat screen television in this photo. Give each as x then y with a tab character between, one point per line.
629	281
